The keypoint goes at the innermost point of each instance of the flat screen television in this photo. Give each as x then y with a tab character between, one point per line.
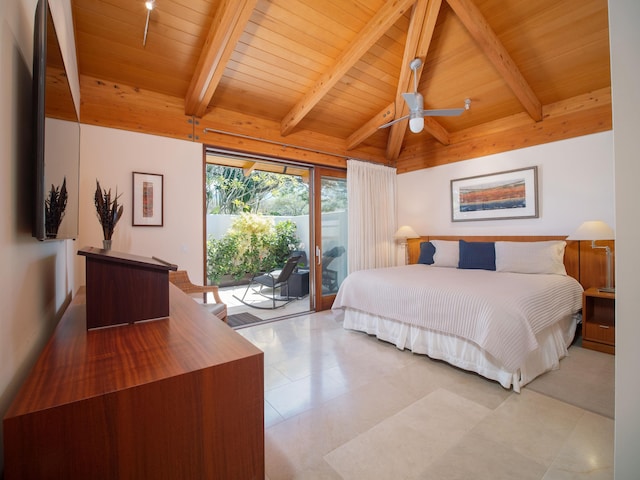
57	136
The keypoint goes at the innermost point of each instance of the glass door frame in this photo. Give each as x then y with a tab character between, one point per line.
321	301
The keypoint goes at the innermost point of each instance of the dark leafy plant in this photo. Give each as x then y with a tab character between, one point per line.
221	256
54	208
107	210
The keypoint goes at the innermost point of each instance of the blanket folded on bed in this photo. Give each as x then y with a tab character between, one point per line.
500	312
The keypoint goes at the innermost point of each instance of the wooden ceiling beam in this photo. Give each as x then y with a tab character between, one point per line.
423	18
375	28
240	131
423	22
434	128
385	115
581	115
226	28
492	47
248	170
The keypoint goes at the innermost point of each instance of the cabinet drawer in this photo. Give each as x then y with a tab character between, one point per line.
597	332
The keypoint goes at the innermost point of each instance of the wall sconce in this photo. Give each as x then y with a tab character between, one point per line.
402	234
597	230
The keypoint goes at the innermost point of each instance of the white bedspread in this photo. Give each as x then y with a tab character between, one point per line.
498	311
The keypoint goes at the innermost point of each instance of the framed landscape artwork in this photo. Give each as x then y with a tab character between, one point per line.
147	199
502	195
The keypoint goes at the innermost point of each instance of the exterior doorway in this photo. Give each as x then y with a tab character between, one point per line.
260	211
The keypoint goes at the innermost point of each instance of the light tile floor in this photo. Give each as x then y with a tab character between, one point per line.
343	405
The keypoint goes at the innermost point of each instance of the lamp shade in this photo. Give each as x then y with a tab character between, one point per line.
405	231
593	230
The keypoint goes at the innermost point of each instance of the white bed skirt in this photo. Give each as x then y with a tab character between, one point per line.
553	343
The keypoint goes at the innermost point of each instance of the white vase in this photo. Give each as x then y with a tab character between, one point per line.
106	244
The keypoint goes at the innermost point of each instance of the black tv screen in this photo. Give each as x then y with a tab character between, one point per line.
57	136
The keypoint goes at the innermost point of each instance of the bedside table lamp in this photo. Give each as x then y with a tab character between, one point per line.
402	234
597	230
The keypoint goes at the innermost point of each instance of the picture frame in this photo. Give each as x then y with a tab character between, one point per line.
148	193
497	196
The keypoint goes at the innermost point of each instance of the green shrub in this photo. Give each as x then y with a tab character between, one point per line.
252	245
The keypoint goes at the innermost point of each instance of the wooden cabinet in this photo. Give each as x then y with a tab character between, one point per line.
598	320
177	397
124	288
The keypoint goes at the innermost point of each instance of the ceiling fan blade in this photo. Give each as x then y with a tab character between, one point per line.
445	112
393	121
414	101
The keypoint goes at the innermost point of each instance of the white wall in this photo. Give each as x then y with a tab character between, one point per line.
37	277
111	156
624	17
575	183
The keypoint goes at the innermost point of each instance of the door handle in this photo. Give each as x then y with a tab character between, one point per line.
318	255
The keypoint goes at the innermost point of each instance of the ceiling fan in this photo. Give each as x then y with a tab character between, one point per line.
415	102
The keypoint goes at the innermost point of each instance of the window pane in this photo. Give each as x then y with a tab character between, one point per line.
334	233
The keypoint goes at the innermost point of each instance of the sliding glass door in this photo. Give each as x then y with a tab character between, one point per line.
305	207
330	222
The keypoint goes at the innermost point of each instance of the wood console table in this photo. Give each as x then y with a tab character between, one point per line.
178	397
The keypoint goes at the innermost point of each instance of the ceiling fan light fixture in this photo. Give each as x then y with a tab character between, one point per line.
416	124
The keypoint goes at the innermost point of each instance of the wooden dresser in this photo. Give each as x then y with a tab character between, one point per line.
177	397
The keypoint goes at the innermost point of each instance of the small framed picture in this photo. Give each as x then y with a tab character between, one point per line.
148	192
502	195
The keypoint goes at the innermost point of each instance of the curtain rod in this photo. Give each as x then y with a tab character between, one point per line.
273	142
287	145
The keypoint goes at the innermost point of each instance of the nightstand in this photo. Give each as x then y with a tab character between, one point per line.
599	320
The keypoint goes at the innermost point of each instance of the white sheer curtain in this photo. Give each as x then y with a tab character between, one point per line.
371	193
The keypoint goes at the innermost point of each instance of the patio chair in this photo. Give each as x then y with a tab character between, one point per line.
180	279
329	276
273	280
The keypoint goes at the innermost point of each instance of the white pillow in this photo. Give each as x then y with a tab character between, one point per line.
447	253
531	257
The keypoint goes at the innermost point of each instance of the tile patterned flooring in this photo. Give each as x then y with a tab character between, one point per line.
343	405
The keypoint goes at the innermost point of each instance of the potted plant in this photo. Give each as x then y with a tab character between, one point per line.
108	211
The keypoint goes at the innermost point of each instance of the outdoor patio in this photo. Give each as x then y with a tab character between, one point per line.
230	296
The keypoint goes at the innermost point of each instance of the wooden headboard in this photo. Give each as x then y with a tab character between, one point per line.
585	264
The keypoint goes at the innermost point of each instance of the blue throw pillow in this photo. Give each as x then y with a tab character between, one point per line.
427	250
477	255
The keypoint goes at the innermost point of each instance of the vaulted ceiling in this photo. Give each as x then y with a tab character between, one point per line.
311	79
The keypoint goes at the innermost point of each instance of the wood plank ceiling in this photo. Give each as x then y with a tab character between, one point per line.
325	74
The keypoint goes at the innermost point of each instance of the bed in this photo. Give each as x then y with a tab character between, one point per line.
503	308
